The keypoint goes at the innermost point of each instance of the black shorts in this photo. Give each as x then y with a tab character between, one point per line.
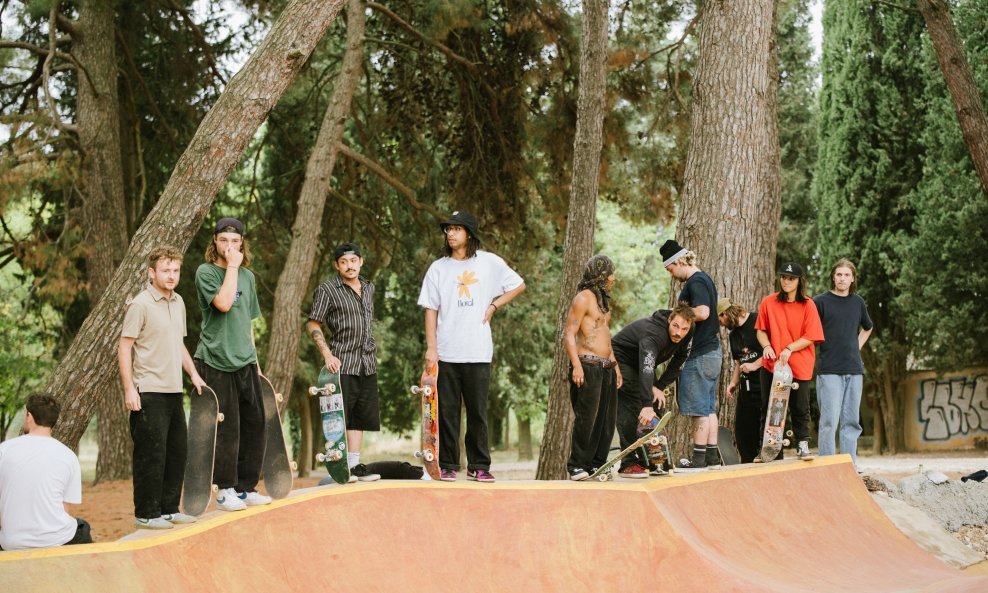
360	402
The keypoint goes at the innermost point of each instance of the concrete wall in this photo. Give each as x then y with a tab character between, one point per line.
946	412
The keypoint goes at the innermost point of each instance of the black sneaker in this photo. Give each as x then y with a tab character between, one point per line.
713	458
363	474
692	465
577	473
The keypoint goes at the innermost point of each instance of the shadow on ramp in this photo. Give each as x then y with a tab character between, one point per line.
784	527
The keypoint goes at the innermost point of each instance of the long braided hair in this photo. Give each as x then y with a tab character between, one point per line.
595	275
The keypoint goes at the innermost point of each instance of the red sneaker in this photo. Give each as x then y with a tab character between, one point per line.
633	471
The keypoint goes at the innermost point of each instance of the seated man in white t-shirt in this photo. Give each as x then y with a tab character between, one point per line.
38	476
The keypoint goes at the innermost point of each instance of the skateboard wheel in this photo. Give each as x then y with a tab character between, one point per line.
788	433
214	488
313	391
220	417
331	387
602	478
294	466
320	457
415	390
653	442
278	397
427	390
429	456
785	442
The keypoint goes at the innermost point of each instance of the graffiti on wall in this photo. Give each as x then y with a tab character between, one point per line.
953	407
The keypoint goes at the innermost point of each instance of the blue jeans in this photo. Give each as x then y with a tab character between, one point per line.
698	384
839	397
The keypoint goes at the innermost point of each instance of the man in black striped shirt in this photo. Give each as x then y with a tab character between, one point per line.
345	304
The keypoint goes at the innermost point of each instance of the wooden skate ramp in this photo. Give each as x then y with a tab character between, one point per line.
711	532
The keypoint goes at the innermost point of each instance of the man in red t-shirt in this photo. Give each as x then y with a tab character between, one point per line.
788	326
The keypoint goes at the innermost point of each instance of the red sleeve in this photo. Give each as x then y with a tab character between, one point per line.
761	322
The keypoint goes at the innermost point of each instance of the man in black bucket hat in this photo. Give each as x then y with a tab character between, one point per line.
460	294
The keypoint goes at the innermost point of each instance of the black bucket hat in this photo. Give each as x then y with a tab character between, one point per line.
463	219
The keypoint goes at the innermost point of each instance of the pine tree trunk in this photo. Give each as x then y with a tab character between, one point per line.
88	369
525	439
103	210
580	229
960	80
293	283
730	202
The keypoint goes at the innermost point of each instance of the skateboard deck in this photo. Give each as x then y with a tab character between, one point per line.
649	437
728	449
277	467
204	415
656	452
775	419
428	389
330	393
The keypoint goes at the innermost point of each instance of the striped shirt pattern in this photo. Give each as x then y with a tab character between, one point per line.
348	318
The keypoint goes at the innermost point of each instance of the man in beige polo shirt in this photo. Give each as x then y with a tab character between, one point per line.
152	355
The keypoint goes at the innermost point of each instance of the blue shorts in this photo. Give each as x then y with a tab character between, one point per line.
698	384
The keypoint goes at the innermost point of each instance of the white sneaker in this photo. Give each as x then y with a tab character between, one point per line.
179	518
227	500
156	523
254	499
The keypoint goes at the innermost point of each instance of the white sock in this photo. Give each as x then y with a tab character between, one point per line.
352	459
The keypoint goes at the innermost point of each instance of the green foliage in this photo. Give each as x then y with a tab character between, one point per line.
943	281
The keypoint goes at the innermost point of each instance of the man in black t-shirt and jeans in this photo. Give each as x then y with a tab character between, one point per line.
840	371
746	350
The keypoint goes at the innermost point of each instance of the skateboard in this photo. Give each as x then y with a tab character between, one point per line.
204	416
775	419
728	449
650	437
656	452
277	466
330	393
430	420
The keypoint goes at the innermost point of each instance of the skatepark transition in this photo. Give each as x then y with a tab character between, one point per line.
783	527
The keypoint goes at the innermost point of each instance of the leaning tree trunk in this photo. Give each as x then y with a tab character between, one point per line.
731	205
89	367
960	80
286	323
580	228
103	212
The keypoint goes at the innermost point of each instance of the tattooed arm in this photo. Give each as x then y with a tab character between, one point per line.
314	330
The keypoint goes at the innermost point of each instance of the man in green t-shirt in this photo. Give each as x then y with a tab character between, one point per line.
227	360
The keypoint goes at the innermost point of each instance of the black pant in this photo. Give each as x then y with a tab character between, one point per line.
361	405
82	533
747	430
594	405
160	441
629	406
467	384
240	437
799	405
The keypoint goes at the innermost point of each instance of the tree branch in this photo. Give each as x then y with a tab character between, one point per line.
405	191
46	75
200	38
445	50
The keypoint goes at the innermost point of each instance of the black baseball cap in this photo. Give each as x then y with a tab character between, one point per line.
791	269
229	225
346	249
463	219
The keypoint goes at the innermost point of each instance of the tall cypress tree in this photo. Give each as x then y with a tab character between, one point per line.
944	280
870	158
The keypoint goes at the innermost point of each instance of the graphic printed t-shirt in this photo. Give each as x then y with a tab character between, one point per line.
699	290
225	342
37	475
842	317
462	290
158	326
786	322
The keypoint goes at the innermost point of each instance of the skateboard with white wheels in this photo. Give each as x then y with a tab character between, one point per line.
334	457
774	436
204	417
428	389
656	452
277	467
651	437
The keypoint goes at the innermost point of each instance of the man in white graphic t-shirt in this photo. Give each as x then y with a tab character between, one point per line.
38	475
461	292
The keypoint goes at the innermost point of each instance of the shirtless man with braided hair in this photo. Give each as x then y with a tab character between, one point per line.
594	374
